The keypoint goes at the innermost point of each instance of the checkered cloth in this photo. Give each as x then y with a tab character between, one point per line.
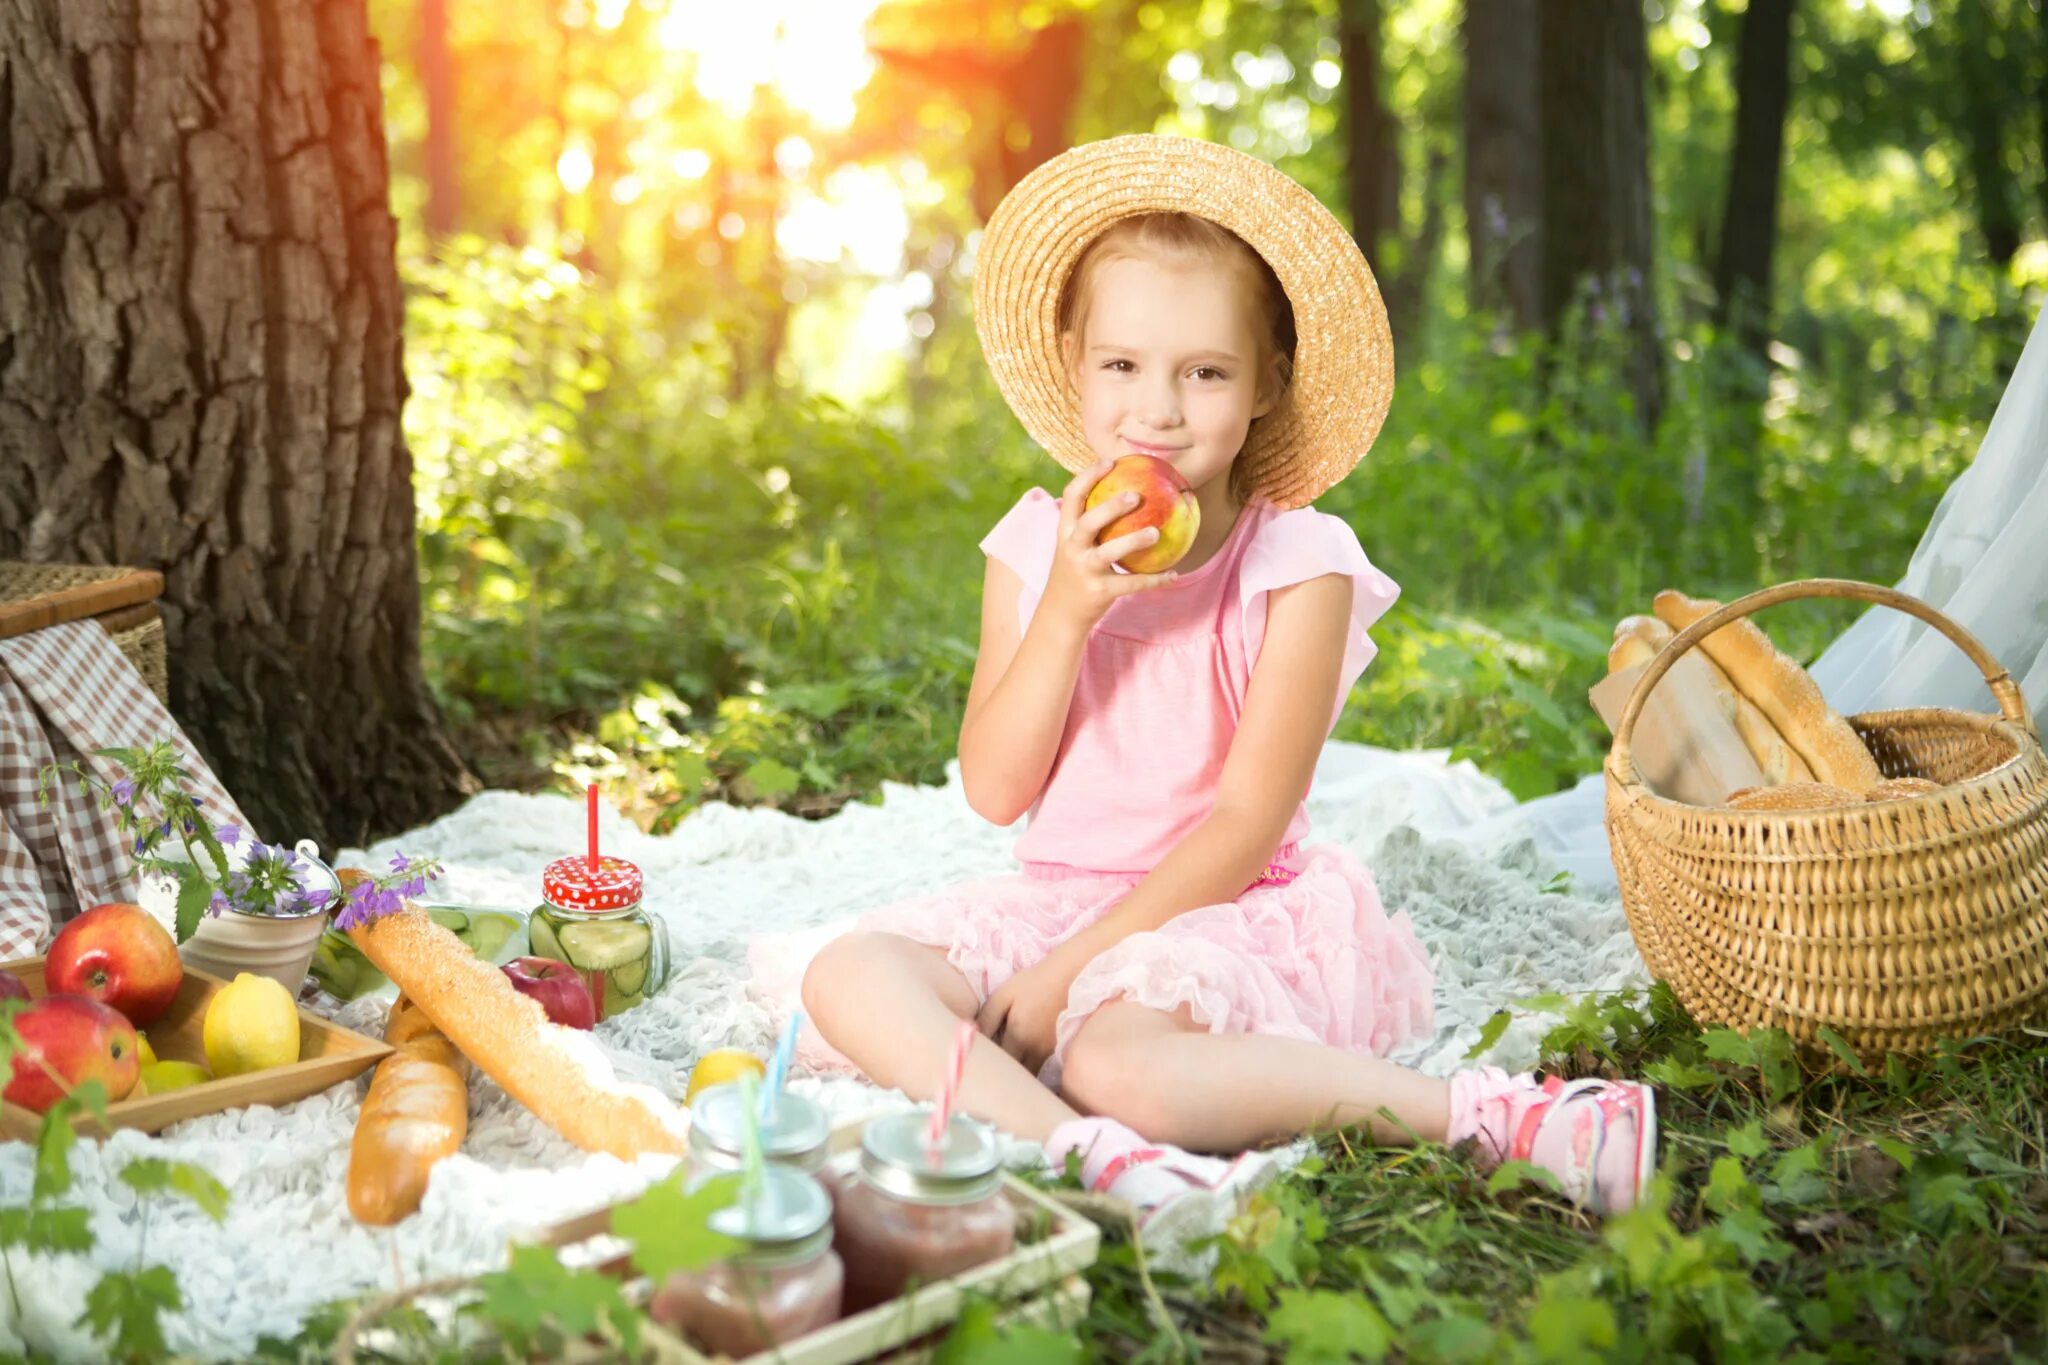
65	691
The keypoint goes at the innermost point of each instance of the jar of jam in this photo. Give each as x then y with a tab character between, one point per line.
785	1281
795	1134
917	1214
591	919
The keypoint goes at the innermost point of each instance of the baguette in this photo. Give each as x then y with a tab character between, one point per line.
1788	698
1794	796
1637	639
416	1113
1899	788
561	1074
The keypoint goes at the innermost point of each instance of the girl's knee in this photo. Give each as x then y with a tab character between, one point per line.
1107	1072
835	974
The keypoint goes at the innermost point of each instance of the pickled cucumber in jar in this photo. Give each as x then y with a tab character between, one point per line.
590	917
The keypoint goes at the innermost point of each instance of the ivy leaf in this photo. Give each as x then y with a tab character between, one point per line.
1748	1140
58	1231
194	891
1749	1232
127	1310
1318	1326
976	1340
672	1231
1726	1045
154	1175
539	1289
768	779
1490	1033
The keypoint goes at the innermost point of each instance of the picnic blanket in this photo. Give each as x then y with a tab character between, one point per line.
1493	926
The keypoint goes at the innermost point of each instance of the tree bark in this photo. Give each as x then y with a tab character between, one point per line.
200	372
1596	179
1749	218
1372	153
1983	103
437	78
1503	160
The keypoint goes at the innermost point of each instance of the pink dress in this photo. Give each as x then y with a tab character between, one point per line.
1306	951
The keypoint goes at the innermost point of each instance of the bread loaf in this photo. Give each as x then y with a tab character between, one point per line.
1636	641
1782	691
416	1114
1898	788
561	1074
1794	796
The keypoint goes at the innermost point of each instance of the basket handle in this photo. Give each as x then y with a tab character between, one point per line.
2003	689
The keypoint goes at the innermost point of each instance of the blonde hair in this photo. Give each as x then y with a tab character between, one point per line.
1188	238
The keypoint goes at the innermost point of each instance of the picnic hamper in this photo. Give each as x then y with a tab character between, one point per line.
33	596
1894	923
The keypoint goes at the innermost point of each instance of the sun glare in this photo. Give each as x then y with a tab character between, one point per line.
811	51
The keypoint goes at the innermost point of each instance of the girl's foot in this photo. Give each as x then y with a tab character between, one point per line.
1181	1198
1599	1138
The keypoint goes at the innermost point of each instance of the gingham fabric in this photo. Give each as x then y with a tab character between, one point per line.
65	691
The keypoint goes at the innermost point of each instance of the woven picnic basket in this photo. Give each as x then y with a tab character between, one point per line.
1894	923
33	596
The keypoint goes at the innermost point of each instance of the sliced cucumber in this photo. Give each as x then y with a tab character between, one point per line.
488	933
454	921
616	1001
605	945
631	978
542	939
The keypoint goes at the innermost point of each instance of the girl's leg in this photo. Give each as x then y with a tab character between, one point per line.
1176	1082
892	1006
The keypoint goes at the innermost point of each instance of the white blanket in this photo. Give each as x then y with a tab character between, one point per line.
1440	838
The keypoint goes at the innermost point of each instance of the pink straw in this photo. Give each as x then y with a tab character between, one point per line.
942	1108
592	804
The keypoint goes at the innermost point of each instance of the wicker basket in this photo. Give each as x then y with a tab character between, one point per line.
1894	923
33	596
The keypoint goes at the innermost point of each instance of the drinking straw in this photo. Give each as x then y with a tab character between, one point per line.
778	1065
590	803
753	1167
942	1107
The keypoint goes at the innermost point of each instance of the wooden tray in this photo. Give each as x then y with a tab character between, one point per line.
327	1054
1041	1280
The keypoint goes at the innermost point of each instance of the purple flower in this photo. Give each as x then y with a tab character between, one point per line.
318	899
124	791
400	863
229	835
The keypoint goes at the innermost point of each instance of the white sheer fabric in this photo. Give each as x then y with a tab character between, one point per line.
1983	561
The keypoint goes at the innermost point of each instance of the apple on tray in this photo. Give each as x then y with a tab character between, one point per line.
68	1040
1165	501
560	988
120	956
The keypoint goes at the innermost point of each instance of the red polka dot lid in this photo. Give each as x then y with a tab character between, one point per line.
572	884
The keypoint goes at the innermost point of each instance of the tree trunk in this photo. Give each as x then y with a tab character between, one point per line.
1596	179
1983	135
437	77
1749	219
1503	160
201	372
1372	153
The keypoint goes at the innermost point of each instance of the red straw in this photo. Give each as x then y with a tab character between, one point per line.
942	1108
592	803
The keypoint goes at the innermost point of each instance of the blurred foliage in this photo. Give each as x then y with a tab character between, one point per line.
701	481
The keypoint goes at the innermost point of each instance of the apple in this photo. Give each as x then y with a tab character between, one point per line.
120	956
560	988
1164	501
68	1040
12	987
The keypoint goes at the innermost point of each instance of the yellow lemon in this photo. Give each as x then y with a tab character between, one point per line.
716	1068
164	1077
144	1053
252	1025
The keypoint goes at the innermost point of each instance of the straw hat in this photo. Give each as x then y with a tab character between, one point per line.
1344	355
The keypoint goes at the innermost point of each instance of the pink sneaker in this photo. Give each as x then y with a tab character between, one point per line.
1599	1138
1180	1198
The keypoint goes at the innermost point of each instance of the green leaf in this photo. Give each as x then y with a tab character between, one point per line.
1726	1045
194	892
1571	1328
1510	1175
1490	1033
154	1175
538	1290
1748	1139
1727	1187
977	1340
127	1311
1674	1074
671	1230
1839	1045
1897	1151
1319	1325
768	779
1749	1232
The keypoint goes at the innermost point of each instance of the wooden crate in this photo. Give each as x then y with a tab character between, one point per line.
1040	1282
327	1054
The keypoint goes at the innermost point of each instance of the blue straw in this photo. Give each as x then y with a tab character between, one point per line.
778	1065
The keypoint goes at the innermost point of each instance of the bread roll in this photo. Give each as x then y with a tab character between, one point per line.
1794	796
1898	788
1636	641
561	1074
416	1114
1783	692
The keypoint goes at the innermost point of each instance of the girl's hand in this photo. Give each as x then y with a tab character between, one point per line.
1021	1014
1084	582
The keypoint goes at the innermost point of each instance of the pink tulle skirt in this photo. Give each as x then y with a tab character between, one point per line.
1317	958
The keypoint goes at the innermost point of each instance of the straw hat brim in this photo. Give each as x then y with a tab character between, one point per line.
1344	353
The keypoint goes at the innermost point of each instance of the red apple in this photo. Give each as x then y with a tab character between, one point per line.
1164	501
560	988
12	987
120	956
68	1040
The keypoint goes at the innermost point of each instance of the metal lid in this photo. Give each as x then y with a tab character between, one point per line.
963	1169
787	1217
572	884
794	1134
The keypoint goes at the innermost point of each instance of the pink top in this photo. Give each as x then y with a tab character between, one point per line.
1163	681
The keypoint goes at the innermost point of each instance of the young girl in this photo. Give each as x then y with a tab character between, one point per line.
1173	970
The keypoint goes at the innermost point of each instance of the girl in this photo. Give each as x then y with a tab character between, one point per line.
1173	970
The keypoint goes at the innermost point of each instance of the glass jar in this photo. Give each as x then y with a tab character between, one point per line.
784	1282
591	918
913	1213
795	1134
